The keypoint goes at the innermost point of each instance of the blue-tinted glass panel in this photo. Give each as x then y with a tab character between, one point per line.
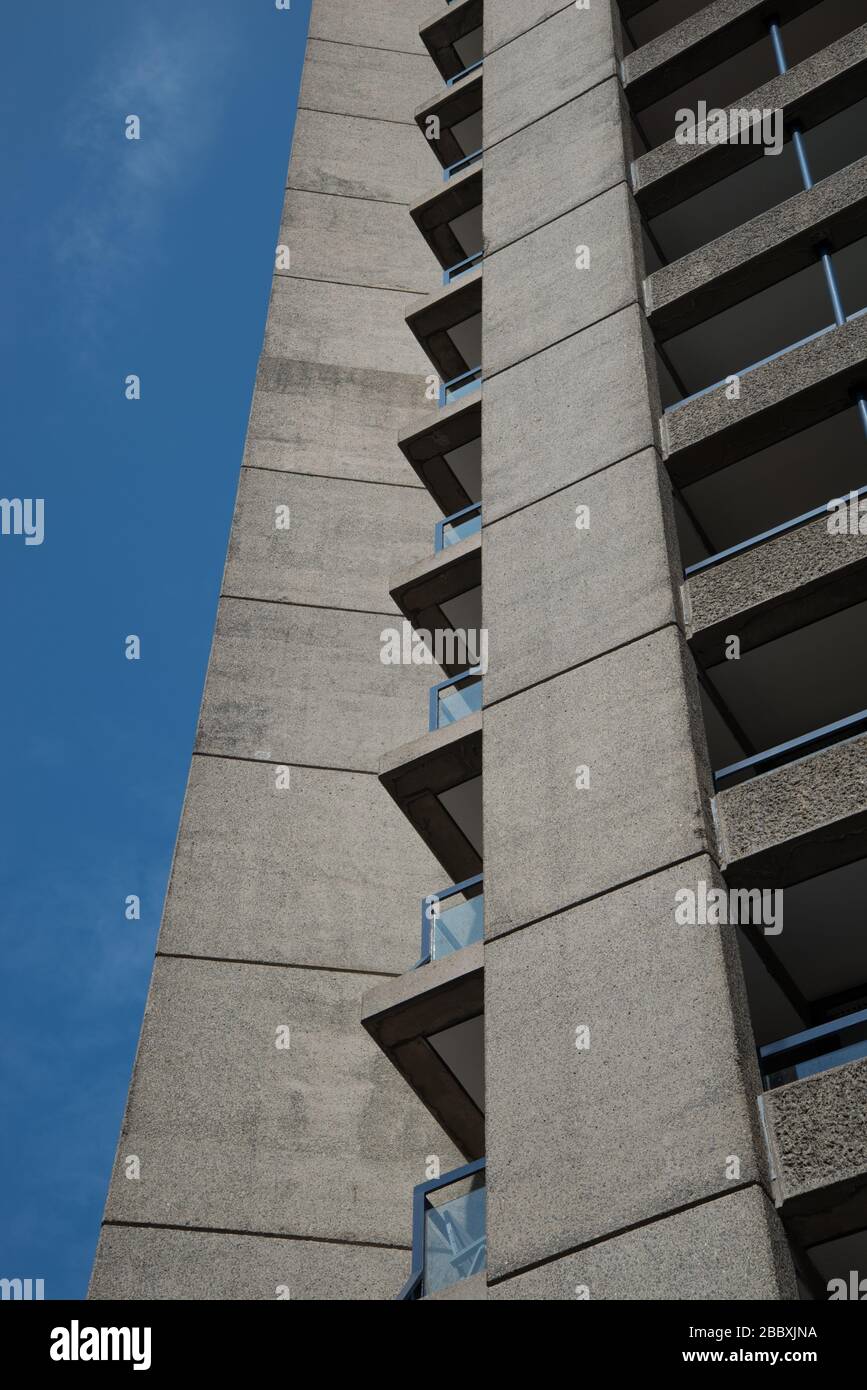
454	1245
453	704
452	928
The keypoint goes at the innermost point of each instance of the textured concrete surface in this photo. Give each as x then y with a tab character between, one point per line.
382	24
554	165
465	1291
354	241
271	688
798	820
546	67
141	1263
811	92
237	1134
595	387
288	876
760	253
541	269
817	1129
350	80
341	325
647	1118
507	19
549	599
778	586
628	716
701	42
348	423
730	1249
327	518
322	1141
360	158
803	387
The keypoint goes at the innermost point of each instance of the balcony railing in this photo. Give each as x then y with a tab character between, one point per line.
454	272
458	526
812	742
455	698
448	1231
463	163
465	72
814	1050
445	930
460	385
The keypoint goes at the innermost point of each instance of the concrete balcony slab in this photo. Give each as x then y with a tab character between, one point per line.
404	1014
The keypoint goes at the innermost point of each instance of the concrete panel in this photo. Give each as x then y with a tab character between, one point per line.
648	1118
507	19
769	248
289	877
272	691
554	165
629	717
775	588
540	269
797	821
321	1139
358	81
702	41
730	1249
332	553
308	417
465	1291
548	66
567	412
803	387
810	92
818	1133
355	241
360	158
141	1263
555	596
393	24
342	326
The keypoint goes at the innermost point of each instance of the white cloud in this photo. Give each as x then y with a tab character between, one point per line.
173	75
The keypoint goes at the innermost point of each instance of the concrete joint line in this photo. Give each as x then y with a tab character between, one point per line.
627	1230
262	1235
353	115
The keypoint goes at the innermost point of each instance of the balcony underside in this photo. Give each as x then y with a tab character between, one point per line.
428	1023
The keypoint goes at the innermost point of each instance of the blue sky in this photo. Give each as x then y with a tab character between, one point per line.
151	257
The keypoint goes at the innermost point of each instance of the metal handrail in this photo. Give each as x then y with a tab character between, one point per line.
426	933
779	1053
473	674
453	272
439	530
468	378
412	1289
786	752
463	163
465	72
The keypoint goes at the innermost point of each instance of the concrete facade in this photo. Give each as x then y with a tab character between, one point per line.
284	906
597	1052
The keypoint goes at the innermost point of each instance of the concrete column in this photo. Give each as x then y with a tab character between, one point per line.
633	1167
269	1171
